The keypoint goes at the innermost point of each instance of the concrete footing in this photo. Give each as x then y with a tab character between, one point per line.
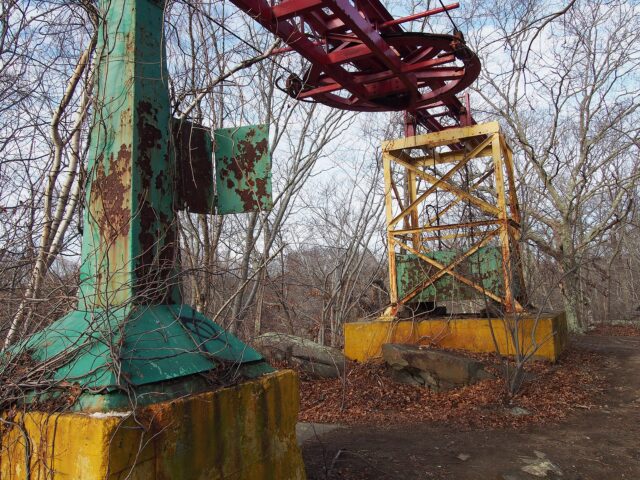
242	432
545	335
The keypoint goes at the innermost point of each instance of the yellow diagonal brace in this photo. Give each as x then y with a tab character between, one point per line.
457	200
484	206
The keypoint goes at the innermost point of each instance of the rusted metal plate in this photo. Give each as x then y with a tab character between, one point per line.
483	267
243	169
194	158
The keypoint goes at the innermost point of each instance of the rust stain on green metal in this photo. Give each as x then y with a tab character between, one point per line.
195	167
243	169
129	243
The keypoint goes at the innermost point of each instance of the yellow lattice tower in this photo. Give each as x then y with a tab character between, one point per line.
492	197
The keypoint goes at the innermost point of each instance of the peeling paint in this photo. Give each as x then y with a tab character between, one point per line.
244	431
548	332
483	267
109	199
129	243
243	169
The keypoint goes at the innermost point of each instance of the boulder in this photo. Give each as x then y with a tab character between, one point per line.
434	369
308	356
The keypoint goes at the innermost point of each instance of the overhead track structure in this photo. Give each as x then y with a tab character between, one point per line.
361	59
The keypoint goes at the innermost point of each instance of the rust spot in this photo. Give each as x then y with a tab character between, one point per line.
261	188
160	182
109	195
150	138
155	261
124	154
156	238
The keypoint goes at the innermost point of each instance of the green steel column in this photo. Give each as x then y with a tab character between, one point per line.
129	245
131	336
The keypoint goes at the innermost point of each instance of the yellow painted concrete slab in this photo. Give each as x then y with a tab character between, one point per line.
546	334
242	432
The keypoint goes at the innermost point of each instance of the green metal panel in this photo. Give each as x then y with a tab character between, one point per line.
484	267
243	169
135	346
130	333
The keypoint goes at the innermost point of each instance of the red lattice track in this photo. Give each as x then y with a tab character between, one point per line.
361	59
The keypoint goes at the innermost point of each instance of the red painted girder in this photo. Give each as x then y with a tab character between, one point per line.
367	32
328	85
348	15
434	62
262	12
442	80
377	13
347	54
293	8
417	16
387	76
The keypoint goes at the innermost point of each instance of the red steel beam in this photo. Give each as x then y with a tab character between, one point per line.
293	8
385	71
263	13
418	16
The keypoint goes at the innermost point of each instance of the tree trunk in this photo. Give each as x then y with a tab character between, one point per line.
249	244
570	289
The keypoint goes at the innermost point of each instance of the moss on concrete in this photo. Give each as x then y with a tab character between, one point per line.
242	432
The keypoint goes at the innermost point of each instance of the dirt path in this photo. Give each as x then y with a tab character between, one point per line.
598	444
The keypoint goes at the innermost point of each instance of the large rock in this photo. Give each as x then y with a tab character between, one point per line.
434	369
311	357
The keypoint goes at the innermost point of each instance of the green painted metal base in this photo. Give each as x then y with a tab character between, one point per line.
483	266
139	355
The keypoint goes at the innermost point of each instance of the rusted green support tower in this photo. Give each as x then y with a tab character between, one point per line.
131	334
129	244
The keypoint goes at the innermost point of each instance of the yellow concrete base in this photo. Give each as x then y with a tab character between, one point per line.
548	333
242	432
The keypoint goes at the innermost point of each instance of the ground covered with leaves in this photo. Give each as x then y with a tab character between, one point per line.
366	395
616	330
595	437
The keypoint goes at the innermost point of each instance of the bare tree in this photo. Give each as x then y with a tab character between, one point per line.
565	86
48	162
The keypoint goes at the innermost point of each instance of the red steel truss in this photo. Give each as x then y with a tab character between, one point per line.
361	59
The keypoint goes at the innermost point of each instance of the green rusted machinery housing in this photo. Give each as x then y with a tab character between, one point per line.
131	340
483	266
